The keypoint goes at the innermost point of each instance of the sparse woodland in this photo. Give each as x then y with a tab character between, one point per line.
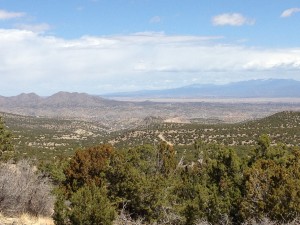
209	183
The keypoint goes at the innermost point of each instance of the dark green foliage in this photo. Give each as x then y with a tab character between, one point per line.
221	185
91	206
55	169
5	139
84	187
192	194
150	183
210	189
272	184
166	158
127	184
224	171
60	216
262	150
138	180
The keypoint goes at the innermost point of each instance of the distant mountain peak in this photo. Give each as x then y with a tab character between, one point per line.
26	97
32	94
65	93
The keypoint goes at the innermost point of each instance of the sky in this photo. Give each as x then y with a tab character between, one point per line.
106	46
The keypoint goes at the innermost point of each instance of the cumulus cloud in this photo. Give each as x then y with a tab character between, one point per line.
232	19
289	12
30	61
5	15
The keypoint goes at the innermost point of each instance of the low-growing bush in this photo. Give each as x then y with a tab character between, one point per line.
89	205
24	190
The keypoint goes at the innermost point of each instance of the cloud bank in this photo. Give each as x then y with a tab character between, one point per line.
32	62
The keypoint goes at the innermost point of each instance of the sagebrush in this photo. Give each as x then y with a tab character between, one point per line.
24	190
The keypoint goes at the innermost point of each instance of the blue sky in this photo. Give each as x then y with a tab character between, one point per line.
100	46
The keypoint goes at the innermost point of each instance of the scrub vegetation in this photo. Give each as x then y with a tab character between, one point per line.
202	181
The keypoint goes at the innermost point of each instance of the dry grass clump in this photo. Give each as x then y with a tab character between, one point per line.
267	221
26	219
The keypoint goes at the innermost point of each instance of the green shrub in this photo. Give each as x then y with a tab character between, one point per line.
272	186
5	139
135	179
91	206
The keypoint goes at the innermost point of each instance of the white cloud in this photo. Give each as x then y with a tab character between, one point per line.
5	15
289	12
38	28
45	64
155	19
232	19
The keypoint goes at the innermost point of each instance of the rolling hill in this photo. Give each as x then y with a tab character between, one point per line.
45	137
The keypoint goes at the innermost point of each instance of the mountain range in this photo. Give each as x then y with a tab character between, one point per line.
270	88
116	115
